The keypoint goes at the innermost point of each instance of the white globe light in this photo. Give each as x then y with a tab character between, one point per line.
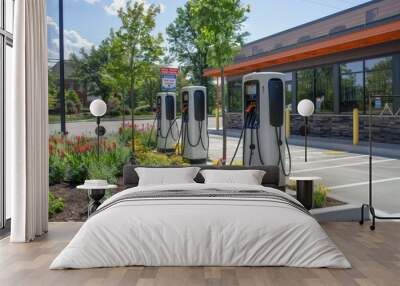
305	107
98	108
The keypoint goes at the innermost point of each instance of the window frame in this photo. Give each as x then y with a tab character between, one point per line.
314	85
6	40
364	73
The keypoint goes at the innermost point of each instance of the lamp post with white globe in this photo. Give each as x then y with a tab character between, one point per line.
98	108
305	108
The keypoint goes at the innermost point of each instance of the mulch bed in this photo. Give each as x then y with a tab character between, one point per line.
332	202
75	202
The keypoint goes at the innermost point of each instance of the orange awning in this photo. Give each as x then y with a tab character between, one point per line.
361	39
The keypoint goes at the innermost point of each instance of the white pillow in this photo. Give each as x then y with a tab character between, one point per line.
166	176
247	177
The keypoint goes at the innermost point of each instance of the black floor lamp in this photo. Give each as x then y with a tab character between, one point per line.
305	108
370	203
98	108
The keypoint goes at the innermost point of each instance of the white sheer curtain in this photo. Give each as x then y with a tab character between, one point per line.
27	124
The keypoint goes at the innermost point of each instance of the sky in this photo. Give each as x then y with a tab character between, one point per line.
88	22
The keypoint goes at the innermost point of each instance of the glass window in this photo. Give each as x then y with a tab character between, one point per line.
378	64
235	96
352	92
8	80
1	14
324	89
351	67
352	86
288	90
6	65
288	76
305	84
9	15
288	94
379	83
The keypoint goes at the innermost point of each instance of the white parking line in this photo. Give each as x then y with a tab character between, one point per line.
335	159
340	166
302	151
363	183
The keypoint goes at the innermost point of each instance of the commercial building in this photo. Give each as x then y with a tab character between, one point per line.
337	62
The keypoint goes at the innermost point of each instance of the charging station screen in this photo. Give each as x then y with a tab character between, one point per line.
169	107
251	89
185	96
199	105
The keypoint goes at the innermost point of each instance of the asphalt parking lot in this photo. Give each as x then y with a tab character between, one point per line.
346	174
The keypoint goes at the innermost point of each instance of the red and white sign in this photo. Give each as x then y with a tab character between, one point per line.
174	71
168	78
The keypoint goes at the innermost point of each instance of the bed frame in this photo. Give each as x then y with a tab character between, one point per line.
270	179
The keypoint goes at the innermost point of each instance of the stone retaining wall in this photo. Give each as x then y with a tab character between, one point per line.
386	129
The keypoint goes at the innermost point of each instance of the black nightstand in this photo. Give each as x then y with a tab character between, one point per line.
304	190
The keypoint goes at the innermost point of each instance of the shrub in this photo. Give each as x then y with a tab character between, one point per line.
291	185
56	170
56	205
320	195
114	107
97	170
158	159
109	165
72	102
145	137
77	168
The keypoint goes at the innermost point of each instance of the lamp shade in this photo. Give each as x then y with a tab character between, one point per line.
98	108
305	107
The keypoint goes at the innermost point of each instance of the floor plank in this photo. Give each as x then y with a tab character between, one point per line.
375	257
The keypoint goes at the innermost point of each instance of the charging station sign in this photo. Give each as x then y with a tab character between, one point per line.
168	78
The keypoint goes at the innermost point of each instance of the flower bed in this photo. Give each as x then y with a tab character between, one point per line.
72	160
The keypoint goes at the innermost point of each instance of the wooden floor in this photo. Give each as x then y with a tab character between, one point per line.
375	257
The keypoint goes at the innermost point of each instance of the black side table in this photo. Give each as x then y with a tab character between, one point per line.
304	190
95	194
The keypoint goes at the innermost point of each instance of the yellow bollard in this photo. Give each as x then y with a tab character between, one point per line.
287	122
217	118
356	125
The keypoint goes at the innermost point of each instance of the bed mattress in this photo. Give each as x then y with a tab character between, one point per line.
201	225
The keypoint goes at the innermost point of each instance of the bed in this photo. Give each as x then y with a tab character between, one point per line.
198	224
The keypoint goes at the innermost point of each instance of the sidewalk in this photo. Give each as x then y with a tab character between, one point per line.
337	144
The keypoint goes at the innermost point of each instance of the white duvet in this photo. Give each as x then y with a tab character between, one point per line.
200	231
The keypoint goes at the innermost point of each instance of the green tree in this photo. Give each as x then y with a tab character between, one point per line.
53	90
220	24
137	44
183	36
149	85
113	73
87	68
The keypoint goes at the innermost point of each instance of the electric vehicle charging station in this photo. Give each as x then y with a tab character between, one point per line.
194	127
263	131
167	127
